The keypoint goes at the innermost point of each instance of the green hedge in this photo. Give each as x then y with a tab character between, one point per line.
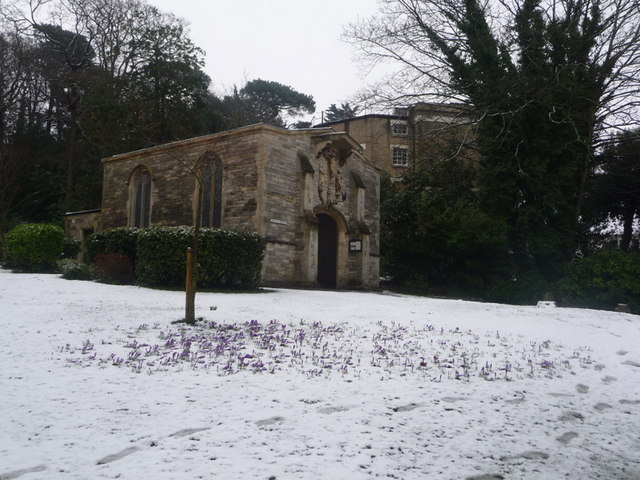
161	253
74	270
230	259
602	281
34	247
71	248
226	258
116	240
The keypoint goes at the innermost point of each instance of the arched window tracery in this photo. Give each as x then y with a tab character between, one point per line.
211	184
140	192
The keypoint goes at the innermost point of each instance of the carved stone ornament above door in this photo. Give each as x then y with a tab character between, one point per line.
330	181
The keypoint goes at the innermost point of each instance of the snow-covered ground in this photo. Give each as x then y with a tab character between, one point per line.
97	382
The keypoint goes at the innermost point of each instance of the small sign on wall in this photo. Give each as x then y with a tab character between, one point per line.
355	245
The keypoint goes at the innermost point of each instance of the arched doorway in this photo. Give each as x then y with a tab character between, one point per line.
327	251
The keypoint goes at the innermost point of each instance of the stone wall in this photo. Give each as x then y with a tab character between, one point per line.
173	184
79	225
282	206
374	133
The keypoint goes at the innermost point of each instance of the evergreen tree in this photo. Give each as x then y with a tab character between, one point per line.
343	112
435	238
543	78
264	101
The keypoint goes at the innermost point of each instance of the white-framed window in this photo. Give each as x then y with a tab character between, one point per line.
399	128
400	156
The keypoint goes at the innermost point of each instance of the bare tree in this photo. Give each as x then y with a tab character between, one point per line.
543	79
16	86
69	53
427	41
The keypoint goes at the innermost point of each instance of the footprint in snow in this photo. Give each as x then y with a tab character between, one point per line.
571	417
566	437
486	476
560	395
269	421
453	399
631	363
528	455
406	408
622	352
188	431
608	379
630	402
602	406
581	388
329	410
117	456
515	401
19	473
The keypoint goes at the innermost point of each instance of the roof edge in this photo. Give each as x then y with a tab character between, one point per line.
220	136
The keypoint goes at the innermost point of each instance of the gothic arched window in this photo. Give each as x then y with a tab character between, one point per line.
140	198
211	177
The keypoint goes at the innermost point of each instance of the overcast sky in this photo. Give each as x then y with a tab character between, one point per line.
294	42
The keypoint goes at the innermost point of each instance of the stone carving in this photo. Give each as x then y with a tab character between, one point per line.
330	181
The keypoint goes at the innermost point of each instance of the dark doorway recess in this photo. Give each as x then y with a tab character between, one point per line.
327	251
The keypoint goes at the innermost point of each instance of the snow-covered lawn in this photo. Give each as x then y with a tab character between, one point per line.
97	382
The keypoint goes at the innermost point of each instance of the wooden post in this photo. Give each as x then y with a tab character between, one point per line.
189	313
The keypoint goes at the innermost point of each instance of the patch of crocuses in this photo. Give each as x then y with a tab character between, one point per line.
322	349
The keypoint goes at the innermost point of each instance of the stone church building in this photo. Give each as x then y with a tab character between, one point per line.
310	193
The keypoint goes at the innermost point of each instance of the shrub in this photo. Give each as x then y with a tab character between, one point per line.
525	290
602	281
71	248
116	240
34	247
113	254
230	259
161	253
226	258
74	270
114	268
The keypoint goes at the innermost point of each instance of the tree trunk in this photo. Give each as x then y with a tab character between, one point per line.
192	266
627	230
71	165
